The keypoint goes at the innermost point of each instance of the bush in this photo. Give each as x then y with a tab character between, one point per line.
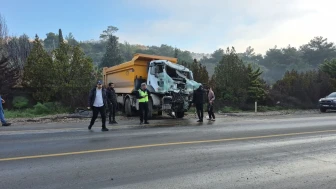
40	109
20	102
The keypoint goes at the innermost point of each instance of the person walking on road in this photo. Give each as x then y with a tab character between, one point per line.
112	103
2	114
142	96
98	102
211	98
198	100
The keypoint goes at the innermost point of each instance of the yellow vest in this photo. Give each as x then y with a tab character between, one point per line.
141	93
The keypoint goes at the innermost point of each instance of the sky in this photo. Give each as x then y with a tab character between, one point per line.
200	26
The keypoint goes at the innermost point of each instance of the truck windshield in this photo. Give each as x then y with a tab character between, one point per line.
177	74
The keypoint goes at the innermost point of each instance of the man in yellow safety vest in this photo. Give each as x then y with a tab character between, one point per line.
142	96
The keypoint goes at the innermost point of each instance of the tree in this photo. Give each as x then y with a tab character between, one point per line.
75	75
329	67
317	50
71	39
39	73
112	55
19	50
108	32
51	42
231	79
60	36
9	71
256	90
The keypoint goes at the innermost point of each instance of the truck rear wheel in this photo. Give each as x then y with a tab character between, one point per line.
323	110
128	107
179	114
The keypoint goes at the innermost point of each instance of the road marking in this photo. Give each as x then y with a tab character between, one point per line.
162	144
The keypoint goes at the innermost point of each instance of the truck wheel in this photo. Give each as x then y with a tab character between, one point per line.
160	112
150	109
179	114
323	110
128	107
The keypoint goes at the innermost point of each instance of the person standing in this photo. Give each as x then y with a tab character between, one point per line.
112	103
211	98
98	102
2	114
198	100
142	96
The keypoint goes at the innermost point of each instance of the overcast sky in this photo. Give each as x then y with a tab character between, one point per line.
194	25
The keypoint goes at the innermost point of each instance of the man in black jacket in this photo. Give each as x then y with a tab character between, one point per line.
97	102
112	103
198	100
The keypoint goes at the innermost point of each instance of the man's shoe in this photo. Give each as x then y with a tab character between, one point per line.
200	121
6	124
105	129
114	122
146	122
89	127
213	119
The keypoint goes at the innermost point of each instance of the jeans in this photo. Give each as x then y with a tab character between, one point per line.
2	114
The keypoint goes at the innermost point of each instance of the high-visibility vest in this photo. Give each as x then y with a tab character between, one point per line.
141	93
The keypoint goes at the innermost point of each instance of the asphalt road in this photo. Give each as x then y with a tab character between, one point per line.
251	153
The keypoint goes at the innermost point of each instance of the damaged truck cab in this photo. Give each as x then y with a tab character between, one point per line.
171	85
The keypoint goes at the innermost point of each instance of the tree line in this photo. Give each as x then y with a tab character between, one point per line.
59	68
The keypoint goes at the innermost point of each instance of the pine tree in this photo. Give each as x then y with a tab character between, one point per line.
256	90
112	55
39	73
60	36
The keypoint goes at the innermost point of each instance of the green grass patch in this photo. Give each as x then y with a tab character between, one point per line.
39	110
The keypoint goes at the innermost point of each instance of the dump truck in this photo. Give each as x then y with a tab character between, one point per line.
171	85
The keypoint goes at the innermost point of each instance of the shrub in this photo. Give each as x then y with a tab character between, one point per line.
40	109
20	102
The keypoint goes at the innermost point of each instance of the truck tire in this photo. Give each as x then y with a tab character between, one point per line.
128	107
323	110
160	112
179	114
150	109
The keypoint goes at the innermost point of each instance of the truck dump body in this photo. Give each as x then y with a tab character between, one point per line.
125	74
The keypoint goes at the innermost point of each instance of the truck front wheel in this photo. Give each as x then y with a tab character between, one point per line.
179	114
323	110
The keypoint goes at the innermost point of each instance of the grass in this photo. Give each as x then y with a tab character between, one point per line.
39	110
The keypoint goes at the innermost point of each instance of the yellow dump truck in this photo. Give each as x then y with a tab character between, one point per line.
171	85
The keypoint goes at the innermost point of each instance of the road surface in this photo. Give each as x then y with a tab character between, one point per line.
285	152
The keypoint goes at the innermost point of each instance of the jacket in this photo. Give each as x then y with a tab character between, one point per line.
92	97
211	96
111	96
198	96
138	95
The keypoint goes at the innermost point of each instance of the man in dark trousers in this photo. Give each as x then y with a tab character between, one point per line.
98	102
112	103
198	100
142	96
